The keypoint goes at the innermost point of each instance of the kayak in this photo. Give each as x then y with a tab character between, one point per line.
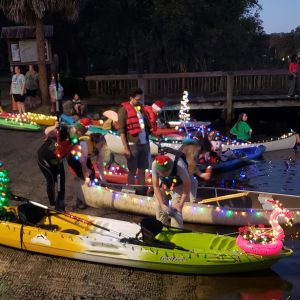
108	241
239	157
215	205
28	117
115	173
16	125
286	141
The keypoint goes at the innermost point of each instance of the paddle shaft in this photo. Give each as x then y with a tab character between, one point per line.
68	214
225	197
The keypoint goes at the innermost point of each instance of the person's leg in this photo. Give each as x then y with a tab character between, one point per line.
19	107
60	199
132	163
194	188
160	214
50	179
142	162
22	106
292	87
176	217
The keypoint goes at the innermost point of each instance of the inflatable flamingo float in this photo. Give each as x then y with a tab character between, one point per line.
265	241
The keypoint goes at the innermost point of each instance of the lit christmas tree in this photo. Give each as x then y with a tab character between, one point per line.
4	192
184	115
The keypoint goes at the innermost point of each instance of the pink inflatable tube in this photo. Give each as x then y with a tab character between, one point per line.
267	249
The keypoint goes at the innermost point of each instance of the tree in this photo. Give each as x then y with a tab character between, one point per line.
33	13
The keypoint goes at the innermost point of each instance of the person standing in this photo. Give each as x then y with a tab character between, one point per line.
50	162
241	128
134	128
293	76
17	89
32	85
56	92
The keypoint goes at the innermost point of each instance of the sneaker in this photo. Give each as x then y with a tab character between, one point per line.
80	204
296	96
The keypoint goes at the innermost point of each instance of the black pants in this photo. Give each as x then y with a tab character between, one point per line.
54	174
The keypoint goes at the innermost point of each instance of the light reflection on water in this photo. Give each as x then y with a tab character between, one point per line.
277	172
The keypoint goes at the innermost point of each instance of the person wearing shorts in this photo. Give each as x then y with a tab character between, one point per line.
32	85
17	89
134	128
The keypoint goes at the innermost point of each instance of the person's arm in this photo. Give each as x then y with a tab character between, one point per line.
22	85
233	130
122	116
11	85
83	160
157	191
187	185
51	130
99	160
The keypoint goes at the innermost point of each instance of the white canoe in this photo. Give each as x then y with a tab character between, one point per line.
252	208
286	141
115	145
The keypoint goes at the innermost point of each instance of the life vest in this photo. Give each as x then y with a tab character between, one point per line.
151	117
132	122
173	180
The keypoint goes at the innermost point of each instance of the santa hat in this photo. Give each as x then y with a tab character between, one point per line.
158	105
83	125
163	162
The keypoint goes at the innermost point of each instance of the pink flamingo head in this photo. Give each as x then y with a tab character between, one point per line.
280	210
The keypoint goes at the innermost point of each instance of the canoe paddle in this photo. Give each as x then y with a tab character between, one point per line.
225	197
71	216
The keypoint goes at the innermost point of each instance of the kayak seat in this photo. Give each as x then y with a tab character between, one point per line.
30	214
150	228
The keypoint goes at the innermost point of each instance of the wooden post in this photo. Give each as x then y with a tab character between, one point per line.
97	88
229	96
142	84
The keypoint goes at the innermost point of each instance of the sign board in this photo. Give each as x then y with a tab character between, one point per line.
24	52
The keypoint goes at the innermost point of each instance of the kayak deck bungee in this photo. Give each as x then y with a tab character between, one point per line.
115	242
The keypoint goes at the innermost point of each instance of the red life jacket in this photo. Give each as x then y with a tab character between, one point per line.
151	117
132	122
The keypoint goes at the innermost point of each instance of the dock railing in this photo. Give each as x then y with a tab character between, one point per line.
201	84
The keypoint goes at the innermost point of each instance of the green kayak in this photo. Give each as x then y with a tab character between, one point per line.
14	125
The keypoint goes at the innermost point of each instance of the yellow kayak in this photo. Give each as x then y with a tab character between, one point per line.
36	228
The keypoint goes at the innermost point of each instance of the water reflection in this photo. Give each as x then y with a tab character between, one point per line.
277	172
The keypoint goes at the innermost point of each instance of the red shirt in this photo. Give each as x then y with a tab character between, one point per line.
294	68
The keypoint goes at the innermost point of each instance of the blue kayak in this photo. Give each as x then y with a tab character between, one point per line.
232	159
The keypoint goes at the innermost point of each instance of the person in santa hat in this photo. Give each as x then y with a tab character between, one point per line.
171	171
152	113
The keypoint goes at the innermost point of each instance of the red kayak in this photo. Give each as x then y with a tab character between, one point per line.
117	174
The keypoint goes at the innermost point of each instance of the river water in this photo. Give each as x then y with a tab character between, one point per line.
278	172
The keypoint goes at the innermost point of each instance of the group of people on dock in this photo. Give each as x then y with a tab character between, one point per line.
173	171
